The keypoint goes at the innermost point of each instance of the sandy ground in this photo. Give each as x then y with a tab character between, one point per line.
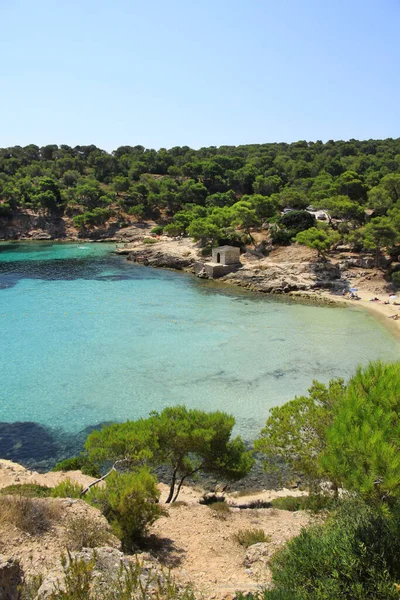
383	309
194	541
199	545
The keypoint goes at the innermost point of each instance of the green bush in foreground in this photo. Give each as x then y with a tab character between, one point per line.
354	556
129	501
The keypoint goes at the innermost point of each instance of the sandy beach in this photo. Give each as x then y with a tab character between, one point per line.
381	311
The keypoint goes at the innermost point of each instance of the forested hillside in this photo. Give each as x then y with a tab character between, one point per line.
217	194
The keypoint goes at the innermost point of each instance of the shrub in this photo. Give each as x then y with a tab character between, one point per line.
78	578
128	583
355	555
79	463
314	502
28	490
221	509
298	220
158	229
67	489
83	532
248	537
129	501
178	503
149	241
173	229
32	515
288	503
281	236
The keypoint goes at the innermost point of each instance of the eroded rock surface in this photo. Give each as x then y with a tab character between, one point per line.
10	578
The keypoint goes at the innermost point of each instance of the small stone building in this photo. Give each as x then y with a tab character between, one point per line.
224	260
226	255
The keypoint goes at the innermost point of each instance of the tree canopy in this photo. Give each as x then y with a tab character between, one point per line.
187	441
238	188
346	434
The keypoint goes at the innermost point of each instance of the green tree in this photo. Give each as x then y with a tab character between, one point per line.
341	207
295	433
265	207
48	194
88	193
204	230
319	239
243	215
377	235
297	220
353	556
380	200
121	184
187	441
190	441
350	184
267	185
362	450
70	178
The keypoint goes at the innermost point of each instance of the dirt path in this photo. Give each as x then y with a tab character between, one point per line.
198	544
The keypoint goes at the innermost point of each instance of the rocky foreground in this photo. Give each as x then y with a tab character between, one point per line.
196	542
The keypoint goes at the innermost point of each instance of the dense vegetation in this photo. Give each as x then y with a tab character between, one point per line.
217	194
346	436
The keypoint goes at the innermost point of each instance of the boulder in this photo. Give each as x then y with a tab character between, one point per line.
41	235
10	578
257	558
260	553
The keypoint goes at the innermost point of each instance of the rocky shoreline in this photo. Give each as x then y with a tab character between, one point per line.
292	271
282	272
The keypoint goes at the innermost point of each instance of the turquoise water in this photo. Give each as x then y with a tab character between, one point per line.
88	337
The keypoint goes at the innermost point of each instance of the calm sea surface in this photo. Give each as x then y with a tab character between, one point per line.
87	337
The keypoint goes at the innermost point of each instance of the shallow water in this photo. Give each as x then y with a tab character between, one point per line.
88	337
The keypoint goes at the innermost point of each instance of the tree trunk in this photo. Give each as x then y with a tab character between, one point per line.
179	488
172	487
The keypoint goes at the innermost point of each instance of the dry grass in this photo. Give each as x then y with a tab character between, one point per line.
248	537
220	509
31	515
83	532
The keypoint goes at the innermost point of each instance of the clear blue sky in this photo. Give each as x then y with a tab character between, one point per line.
198	73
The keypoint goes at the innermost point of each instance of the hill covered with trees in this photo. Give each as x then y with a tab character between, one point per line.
216	195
